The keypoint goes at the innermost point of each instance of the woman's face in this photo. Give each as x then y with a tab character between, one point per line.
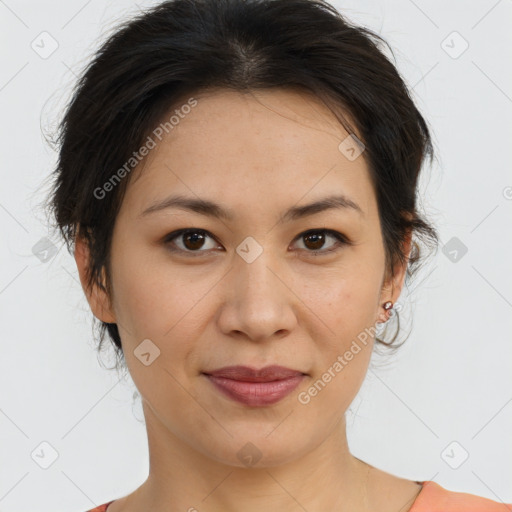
252	289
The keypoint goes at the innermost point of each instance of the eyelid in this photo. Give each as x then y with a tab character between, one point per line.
167	240
341	240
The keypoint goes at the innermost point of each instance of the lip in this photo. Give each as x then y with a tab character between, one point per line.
254	387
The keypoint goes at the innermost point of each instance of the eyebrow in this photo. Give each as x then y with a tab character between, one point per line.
213	209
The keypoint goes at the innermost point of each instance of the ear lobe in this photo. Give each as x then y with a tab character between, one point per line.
393	286
96	297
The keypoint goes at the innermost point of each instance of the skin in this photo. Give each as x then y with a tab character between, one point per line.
258	154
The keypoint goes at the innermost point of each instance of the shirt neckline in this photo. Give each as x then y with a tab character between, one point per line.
413	508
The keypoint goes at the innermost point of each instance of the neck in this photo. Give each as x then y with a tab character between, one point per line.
181	478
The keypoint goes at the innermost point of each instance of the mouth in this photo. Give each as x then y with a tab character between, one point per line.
254	387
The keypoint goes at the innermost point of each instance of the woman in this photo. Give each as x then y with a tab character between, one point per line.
238	181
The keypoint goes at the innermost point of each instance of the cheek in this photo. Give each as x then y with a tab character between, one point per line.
151	294
345	298
160	302
160	308
345	304
344	346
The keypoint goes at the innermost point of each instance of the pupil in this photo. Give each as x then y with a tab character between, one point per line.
196	240
318	240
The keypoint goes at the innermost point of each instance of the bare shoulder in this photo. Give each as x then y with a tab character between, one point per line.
391	492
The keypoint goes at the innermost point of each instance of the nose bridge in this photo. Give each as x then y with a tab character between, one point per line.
255	281
259	305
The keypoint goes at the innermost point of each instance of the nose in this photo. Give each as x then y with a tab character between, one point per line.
259	303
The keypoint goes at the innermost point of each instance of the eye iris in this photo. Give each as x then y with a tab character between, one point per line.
317	238
197	240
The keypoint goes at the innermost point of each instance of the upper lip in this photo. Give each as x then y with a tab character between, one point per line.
247	374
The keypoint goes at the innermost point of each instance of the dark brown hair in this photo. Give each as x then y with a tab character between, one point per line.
184	46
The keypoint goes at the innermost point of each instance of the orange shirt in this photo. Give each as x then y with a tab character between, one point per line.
432	498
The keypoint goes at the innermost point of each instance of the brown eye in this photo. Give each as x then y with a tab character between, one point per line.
192	241
314	241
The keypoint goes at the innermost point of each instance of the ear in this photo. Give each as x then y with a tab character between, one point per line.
96	297
392	286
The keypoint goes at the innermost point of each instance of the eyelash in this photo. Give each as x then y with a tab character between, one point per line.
341	240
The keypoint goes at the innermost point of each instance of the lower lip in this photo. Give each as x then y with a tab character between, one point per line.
256	393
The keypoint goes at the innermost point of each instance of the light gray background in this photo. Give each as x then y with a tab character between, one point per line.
451	382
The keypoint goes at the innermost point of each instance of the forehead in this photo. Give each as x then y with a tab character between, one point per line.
271	145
